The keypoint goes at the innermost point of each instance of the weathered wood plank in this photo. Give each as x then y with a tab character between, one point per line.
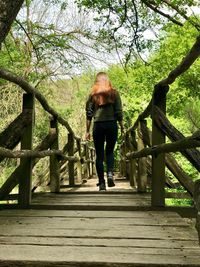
88	222
139	232
87	214
105	242
60	256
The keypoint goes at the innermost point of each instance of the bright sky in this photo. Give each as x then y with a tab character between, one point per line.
70	20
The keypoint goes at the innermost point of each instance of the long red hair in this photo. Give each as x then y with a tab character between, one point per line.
102	91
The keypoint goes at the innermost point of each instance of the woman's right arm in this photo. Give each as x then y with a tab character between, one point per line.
119	111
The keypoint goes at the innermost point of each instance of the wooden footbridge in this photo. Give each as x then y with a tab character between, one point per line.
71	223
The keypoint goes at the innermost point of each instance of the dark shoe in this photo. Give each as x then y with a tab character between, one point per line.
110	179
102	186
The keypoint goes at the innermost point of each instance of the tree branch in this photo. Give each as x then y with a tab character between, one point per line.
185	64
170	4
27	34
155	9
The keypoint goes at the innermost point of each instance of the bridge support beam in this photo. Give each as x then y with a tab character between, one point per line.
25	177
158	161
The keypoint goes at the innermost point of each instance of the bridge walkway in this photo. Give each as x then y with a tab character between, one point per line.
83	227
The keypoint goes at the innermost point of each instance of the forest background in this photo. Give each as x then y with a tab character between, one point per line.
59	46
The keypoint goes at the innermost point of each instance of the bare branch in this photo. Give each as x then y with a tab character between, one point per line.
186	63
27	34
170	4
155	9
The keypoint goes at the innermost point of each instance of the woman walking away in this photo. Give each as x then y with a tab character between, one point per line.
105	107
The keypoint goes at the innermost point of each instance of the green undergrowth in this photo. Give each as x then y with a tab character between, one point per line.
187	202
179	202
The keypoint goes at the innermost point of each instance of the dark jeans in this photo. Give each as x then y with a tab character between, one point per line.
104	132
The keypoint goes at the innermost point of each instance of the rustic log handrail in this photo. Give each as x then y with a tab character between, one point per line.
171	164
187	142
161	128
193	155
47	148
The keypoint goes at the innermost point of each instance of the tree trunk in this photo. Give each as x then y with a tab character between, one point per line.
8	12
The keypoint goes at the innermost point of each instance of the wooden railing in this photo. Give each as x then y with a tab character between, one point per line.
75	159
144	153
197	205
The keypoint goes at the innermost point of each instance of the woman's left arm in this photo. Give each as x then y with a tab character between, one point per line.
89	116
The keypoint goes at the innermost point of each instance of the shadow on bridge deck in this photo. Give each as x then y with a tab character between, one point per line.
90	228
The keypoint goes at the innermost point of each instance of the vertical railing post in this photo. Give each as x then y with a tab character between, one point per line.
123	159
158	161
86	164
54	162
71	163
127	162
93	161
78	163
142	163
120	161
88	159
85	169
25	179
133	144
197	205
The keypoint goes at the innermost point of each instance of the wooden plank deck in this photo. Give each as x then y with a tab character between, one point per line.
107	236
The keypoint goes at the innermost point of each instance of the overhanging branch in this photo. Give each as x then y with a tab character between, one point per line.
155	9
